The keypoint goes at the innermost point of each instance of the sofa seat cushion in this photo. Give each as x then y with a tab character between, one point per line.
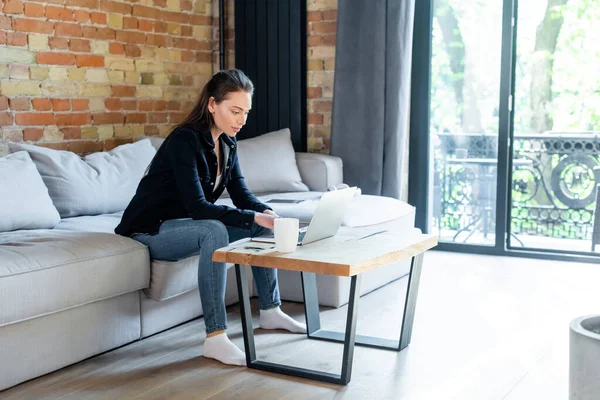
365	210
91	223
45	271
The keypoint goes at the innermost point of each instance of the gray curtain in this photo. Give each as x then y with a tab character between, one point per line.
371	94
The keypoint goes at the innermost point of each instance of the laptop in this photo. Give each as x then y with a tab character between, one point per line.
326	220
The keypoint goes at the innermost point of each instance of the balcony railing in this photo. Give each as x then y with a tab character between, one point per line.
555	176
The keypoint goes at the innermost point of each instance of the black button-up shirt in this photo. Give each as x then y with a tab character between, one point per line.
180	184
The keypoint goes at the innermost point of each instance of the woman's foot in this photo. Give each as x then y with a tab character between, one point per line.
222	349
274	318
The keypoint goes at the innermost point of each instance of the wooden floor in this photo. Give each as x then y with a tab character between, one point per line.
485	328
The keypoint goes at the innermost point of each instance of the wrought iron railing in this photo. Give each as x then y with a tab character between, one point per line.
553	188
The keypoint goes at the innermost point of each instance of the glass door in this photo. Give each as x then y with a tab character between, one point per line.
464	110
556	142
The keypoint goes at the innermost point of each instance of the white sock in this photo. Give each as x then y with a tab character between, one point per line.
274	318
220	348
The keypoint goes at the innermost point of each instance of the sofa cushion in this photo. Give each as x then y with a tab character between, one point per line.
24	203
268	163
98	183
45	271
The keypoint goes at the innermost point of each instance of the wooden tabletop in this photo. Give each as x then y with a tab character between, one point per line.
348	253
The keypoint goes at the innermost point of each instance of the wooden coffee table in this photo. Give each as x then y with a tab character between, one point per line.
350	253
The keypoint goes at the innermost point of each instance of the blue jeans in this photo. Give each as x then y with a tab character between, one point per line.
181	238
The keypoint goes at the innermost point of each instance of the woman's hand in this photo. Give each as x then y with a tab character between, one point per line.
265	220
271	212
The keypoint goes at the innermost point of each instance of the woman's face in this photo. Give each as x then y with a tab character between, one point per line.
230	114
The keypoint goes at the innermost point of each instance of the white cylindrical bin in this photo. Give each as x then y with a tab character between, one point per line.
584	358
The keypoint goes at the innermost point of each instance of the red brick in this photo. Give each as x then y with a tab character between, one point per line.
61	104
187	80
112	104
55	146
5	22
20	104
83	147
159	27
55	58
13	7
76	119
313	16
315	93
80	45
315	119
131	37
123	91
2	37
145	105
160	3
186	30
203	56
201	20
6	119
146	12
114	7
329	40
322	106
3	103
129	105
116	48
98	18
131	50
59	13
93	4
81	16
64	29
16	39
71	132
92	32
186	5
130	23
87	60
107	118
156	40
315	40
175	17
176	118
34	10
187	56
146	26
80	104
33	26
34	119
324	27
159	105
330	15
157	117
150	130
173	105
58	43
135	118
110	144
32	134
41	104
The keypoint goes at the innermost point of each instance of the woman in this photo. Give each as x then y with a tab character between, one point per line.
173	210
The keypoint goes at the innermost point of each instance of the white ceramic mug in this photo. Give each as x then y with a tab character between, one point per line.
286	234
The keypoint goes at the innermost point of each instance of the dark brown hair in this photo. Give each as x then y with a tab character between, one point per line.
219	86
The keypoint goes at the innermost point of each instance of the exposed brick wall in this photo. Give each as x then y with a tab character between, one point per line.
86	75
321	18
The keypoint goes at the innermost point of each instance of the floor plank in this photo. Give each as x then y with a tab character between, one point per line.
485	328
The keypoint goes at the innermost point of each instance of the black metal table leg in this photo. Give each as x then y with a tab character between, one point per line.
309	286
348	341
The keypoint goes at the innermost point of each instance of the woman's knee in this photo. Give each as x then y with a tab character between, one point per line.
215	231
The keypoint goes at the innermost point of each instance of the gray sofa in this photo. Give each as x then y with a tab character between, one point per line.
77	289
